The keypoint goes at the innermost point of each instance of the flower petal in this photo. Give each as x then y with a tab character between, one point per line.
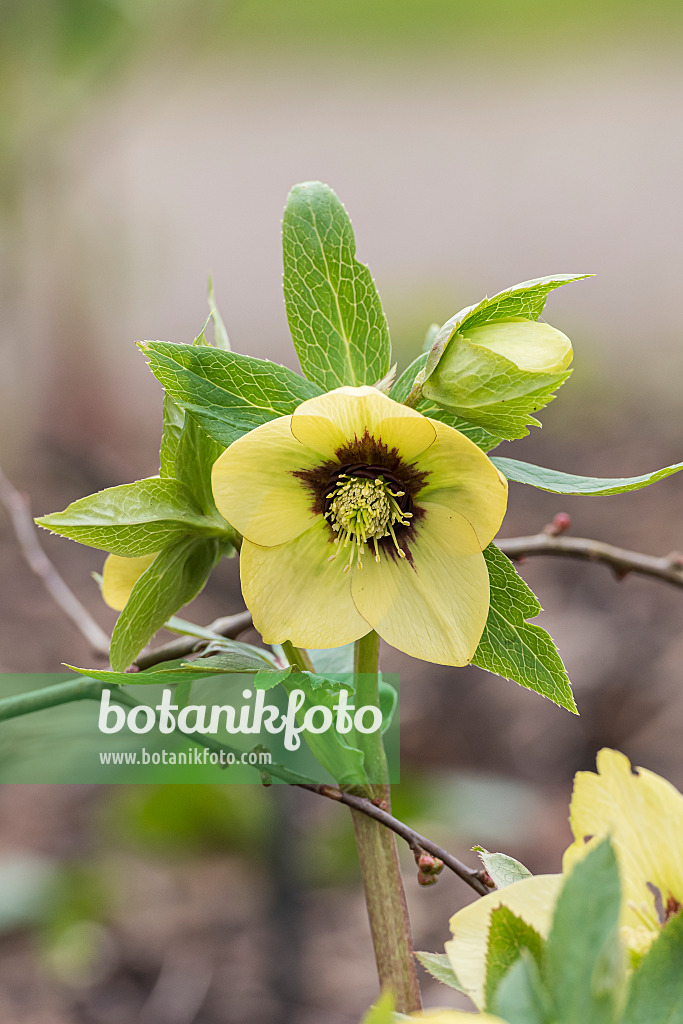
643	815
254	487
295	594
532	899
329	422
120	575
436	607
465	480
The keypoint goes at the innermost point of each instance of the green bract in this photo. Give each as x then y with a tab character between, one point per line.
494	365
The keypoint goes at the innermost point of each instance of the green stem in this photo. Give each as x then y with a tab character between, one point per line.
297	656
382	881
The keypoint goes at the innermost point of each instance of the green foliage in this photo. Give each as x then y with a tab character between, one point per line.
514	648
656	995
195	455
402	388
335	315
439	966
504	870
482	386
220	334
567	483
520	997
509	936
229	393
173	579
237	657
381	1012
173	418
584	963
132	519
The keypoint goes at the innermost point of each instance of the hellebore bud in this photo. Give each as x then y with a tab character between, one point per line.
530	345
498	373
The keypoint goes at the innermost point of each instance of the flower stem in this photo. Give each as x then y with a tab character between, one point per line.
384	893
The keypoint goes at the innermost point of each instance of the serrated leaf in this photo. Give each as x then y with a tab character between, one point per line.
439	966
489	390
520	997
229	393
133	519
584	939
509	935
335	315
567	483
526	299
195	455
336	752
173	418
402	388
242	659
267	678
504	870
220	334
173	579
514	648
656	995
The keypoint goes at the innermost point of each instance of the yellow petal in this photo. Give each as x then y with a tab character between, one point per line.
643	815
436	607
329	422
120	575
254	487
532	899
464	479
295	594
535	347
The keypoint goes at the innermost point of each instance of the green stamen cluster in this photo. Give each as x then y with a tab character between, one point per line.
362	511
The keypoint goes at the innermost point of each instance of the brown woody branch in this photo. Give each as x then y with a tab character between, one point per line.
415	841
669	568
19	511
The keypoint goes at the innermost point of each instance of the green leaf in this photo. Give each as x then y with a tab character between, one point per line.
242	659
402	388
219	332
229	393
567	483
133	519
520	997
514	648
489	390
388	702
267	678
381	1012
173	579
584	961
504	870
439	966
509	935
526	299
656	995
173	418
335	315
336	752
195	455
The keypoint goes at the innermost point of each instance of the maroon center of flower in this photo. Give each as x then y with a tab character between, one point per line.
368	459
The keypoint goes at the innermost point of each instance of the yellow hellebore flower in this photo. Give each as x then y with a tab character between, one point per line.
530	345
643	816
359	513
120	575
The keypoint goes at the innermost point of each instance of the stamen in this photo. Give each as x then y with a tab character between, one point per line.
364	509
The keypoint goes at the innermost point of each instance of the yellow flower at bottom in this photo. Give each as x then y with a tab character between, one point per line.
643	816
360	513
120	575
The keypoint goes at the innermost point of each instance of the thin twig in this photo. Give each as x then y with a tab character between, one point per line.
669	569
229	626
19	511
414	840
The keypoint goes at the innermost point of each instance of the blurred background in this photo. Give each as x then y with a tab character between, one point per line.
146	143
